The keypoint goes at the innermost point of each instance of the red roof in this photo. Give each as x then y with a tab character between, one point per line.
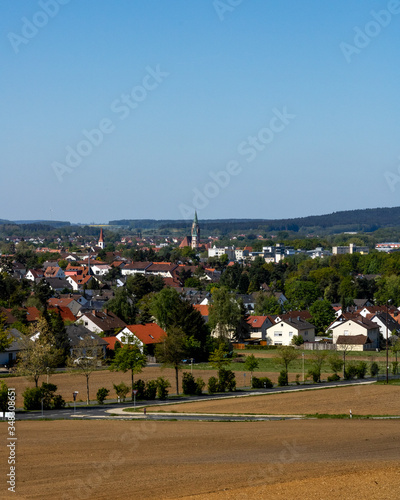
256	321
203	309
111	342
150	333
65	313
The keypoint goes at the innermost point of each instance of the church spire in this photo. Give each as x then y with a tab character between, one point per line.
101	240
195	232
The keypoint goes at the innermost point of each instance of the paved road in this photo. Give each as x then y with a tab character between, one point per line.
113	411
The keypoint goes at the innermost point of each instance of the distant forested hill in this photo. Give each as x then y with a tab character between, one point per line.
366	220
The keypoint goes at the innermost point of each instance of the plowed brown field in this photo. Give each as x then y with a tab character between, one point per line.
309	459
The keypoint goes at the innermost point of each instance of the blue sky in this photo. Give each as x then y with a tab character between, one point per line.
252	109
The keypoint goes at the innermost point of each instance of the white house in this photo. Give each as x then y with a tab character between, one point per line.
282	333
355	327
100	269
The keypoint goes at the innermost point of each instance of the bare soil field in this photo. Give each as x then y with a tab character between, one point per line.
308	459
360	399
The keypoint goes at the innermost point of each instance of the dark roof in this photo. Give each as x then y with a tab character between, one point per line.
77	333
353	340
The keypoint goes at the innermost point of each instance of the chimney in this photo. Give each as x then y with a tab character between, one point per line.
94	312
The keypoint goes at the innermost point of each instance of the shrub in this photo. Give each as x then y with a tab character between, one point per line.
333	378
350	371
362	369
261	383
226	380
395	367
33	398
151	389
188	383
101	395
140	386
297	379
162	387
200	384
315	374
374	369
121	390
212	385
283	378
58	402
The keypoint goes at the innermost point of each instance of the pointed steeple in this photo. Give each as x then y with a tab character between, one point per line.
101	239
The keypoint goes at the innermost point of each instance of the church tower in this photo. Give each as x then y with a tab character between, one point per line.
101	240
195	232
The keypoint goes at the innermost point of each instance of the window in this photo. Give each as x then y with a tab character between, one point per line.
277	334
290	334
346	332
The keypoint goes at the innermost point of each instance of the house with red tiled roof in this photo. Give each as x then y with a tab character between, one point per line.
64	312
34	274
111	341
203	310
54	272
258	327
71	303
78	282
147	335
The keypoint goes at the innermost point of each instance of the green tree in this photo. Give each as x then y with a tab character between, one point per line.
3	397
251	364
286	355
301	294
5	338
122	305
225	313
219	357
172	351
318	359
34	359
85	359
266	303
129	357
322	314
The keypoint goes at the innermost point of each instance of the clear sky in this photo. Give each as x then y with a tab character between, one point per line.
139	109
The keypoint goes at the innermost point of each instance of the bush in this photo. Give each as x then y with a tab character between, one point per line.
188	383
395	367
101	395
162	387
315	374
226	380
283	378
362	369
121	390
200	384
58	402
33	398
374	369
350	371
151	389
261	383
297	379
140	387
212	385
333	378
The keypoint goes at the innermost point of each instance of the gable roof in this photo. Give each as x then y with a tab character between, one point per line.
353	340
111	342
203	309
104	320
360	321
150	333
257	321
